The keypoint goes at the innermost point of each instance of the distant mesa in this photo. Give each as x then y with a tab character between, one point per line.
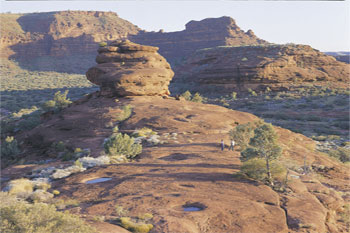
129	69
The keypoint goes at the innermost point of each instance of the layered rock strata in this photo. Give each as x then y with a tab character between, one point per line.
128	69
206	33
256	67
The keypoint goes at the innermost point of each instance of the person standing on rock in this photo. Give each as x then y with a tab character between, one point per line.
222	145
232	145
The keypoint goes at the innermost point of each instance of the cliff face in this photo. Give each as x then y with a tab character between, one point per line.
206	33
42	40
256	67
67	41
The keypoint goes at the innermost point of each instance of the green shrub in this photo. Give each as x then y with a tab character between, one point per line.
24	111
146	216
120	211
186	95
9	149
102	44
59	102
234	95
342	154
20	186
256	169
251	92
241	134
144	132
59	146
197	98
20	216
128	224
125	114
122	144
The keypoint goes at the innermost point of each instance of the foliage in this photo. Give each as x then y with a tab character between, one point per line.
102	44
20	186
186	95
241	134
251	92
345	214
342	154
20	216
128	224
9	148
56	192
263	145
122	144
144	132
59	102
24	112
197	98
125	114
234	95
120	211
146	216
256	169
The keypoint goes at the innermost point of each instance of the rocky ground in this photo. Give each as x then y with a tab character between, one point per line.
181	181
188	170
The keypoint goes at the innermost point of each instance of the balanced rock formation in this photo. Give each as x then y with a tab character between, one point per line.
256	67
128	69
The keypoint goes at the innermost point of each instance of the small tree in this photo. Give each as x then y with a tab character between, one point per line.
234	95
186	95
241	134
263	145
197	98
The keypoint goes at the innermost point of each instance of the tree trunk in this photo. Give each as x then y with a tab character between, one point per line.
269	176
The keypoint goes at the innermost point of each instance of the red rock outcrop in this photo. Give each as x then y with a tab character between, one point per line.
256	67
128	69
66	41
206	33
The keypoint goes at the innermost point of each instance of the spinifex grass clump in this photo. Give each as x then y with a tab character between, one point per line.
125	114
20	216
122	145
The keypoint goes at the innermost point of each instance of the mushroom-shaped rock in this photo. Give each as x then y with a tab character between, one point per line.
128	69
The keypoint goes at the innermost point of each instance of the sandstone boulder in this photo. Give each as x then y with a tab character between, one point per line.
128	69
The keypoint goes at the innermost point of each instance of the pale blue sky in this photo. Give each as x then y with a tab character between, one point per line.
325	25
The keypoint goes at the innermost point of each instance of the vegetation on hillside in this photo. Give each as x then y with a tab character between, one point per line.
21	216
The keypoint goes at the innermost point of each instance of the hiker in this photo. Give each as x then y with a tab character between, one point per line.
232	145
222	145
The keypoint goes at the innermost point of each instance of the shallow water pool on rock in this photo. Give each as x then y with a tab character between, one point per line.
98	180
192	208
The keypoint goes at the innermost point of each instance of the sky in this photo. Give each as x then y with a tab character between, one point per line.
325	25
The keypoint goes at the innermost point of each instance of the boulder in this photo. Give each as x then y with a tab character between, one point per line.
128	69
